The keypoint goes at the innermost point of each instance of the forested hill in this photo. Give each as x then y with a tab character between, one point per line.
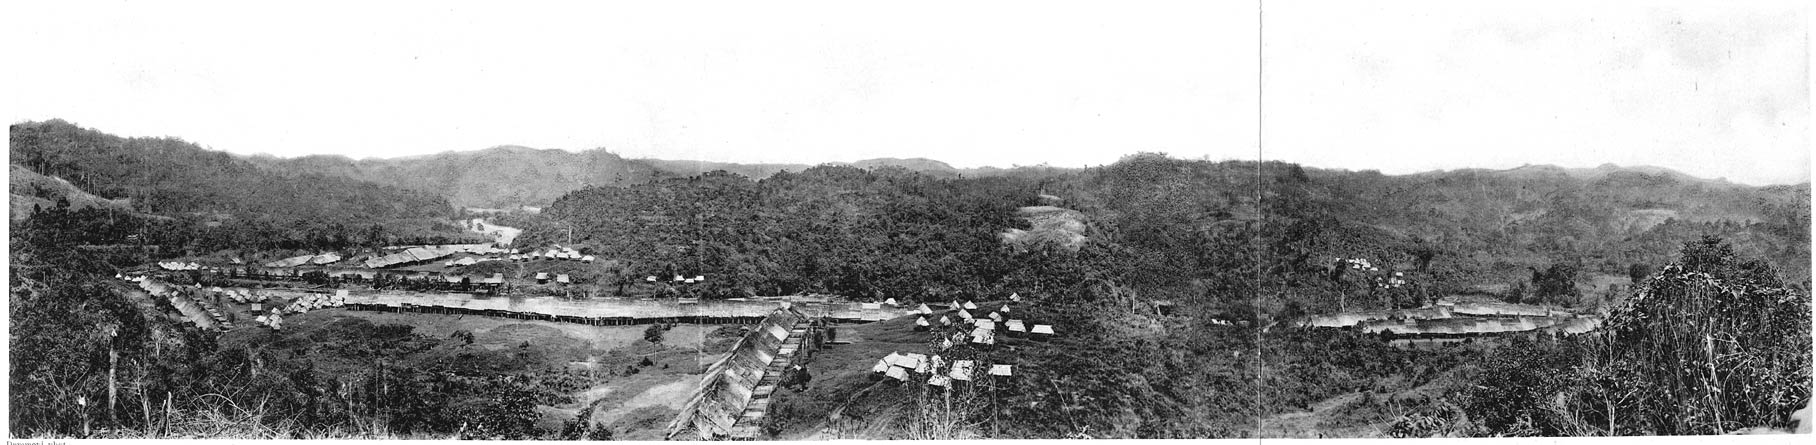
1604	220
103	189
511	176
498	177
1186	229
172	177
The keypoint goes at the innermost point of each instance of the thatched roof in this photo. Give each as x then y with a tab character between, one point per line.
727	388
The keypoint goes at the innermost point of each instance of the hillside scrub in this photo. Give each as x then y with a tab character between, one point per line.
1712	344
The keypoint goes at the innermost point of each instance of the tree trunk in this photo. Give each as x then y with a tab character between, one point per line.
113	386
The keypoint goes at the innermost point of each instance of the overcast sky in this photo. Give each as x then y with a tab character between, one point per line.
1395	86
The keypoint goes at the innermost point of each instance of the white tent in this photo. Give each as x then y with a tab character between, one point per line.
970	306
961	370
924	310
890	302
1042	329
983	336
1015	297
1001	370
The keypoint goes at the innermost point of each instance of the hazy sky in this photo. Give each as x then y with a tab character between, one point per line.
1395	86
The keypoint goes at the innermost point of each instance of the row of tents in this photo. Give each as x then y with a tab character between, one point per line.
241	296
319	259
317	301
938	372
557	253
179	265
428	253
273	320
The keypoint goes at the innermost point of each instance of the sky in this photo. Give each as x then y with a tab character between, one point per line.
1395	86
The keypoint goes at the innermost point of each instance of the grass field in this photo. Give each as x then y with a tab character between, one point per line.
634	399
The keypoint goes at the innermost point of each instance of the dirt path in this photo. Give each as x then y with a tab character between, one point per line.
670	395
1306	424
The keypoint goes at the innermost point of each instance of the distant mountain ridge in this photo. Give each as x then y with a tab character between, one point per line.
497	177
510	176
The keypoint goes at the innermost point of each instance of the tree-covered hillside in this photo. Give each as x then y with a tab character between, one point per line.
498	177
194	199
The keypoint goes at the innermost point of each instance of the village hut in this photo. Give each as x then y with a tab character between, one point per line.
970	306
890	302
939	380
924	310
921	324
562	278
542	277
588	258
1014	297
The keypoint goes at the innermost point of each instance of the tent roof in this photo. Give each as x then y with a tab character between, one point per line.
961	370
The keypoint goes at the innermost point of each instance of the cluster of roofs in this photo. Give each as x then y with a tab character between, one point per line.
938	372
1459	316
555	253
178	265
320	259
982	329
967	328
691	280
429	253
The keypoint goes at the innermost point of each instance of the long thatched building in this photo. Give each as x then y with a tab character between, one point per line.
734	394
